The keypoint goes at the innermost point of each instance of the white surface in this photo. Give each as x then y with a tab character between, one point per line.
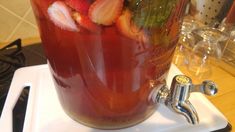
44	113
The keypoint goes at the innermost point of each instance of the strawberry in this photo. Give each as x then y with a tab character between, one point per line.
80	6
85	22
105	11
59	14
127	28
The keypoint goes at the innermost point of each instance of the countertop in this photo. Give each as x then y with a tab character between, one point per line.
224	100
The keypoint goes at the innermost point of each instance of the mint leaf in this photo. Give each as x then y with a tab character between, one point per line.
151	13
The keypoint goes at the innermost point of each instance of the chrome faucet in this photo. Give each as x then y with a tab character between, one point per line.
177	97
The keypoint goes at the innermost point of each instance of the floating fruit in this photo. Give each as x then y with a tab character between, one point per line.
59	14
80	6
85	22
128	28
105	12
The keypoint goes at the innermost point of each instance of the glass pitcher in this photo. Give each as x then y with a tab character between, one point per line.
109	57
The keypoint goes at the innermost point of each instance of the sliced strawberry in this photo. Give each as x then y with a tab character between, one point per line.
105	11
59	14
85	22
128	29
80	6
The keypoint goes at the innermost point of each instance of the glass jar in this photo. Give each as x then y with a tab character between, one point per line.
107	55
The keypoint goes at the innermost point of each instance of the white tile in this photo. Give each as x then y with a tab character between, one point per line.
25	31
30	18
8	23
18	7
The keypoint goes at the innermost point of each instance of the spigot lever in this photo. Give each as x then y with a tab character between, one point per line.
207	87
177	97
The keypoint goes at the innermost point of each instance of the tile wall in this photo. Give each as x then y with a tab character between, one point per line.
16	20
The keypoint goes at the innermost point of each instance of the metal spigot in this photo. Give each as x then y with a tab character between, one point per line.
177	97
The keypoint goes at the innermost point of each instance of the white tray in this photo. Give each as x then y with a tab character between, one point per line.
44	112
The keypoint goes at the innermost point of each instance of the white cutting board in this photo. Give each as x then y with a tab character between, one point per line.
44	112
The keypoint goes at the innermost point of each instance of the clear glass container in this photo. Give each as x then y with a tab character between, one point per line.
206	52
105	55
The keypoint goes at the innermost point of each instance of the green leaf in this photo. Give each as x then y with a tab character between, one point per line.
151	13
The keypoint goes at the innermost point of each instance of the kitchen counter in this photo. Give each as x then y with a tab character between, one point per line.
224	100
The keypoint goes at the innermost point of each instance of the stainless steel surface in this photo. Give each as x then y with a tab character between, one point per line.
210	12
207	87
177	97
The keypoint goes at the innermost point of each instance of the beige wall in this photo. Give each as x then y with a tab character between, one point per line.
16	20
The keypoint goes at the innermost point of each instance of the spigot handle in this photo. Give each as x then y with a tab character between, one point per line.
177	97
182	83
207	87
